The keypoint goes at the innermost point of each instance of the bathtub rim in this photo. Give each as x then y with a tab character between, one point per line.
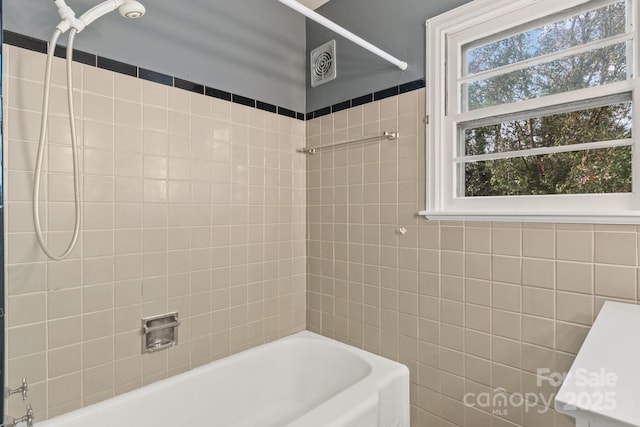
373	379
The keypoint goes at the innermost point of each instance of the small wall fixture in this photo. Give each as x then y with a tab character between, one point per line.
8	392
159	332
9	421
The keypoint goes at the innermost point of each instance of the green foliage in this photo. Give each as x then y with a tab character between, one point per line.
606	170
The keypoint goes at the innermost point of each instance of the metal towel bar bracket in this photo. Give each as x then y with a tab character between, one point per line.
391	136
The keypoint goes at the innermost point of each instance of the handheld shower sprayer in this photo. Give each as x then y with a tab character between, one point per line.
132	10
127	8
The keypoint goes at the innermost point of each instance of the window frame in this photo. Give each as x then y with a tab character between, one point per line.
447	35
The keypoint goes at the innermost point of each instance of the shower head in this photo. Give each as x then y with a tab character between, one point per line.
132	10
127	8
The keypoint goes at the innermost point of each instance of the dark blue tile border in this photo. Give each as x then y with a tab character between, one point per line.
117	66
216	93
40	46
154	76
37	45
243	100
321	112
366	99
414	85
78	55
187	85
266	107
287	113
386	93
361	100
341	106
85	58
25	42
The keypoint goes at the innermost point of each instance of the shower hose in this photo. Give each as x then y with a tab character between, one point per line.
42	144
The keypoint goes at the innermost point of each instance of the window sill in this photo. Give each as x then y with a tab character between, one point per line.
614	217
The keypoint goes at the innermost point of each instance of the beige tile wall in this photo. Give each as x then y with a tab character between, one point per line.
196	204
469	307
190	204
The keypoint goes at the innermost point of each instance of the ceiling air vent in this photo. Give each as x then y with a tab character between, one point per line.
323	63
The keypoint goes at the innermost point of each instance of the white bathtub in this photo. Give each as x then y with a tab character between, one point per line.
304	380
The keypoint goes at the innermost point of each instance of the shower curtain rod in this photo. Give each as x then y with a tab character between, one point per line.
293	4
391	136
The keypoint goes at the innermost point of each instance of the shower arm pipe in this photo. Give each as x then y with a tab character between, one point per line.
68	16
314	16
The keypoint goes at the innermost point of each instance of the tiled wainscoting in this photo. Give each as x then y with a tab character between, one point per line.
469	307
190	203
197	204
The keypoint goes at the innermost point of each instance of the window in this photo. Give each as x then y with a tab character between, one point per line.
532	105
